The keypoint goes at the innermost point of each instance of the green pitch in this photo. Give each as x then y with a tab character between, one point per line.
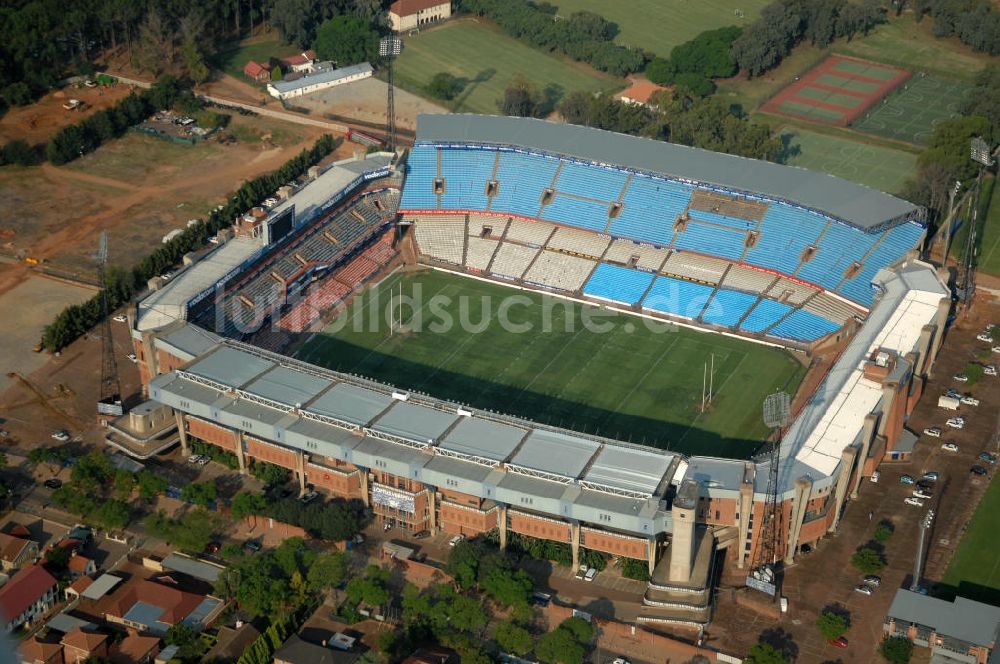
911	111
659	25
975	569
486	60
882	168
639	380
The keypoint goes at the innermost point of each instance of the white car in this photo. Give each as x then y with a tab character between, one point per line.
195	458
589	576
933	432
920	493
916	502
875	477
956	422
61	436
996	349
455	540
960	378
203	461
166	276
953	393
970	400
120	318
950	447
985	336
214	239
864	589
990	370
132	358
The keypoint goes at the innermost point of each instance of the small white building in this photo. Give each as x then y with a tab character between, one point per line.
410	14
320	81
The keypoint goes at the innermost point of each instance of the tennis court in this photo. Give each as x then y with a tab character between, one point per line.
911	112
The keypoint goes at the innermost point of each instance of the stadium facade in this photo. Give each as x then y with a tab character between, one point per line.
720	243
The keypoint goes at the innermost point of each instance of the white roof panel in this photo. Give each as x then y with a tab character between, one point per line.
555	453
628	469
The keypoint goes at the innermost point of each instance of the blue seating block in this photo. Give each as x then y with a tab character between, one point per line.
727	307
603	184
577	212
677	297
765	314
620	284
522	179
421	170
711	240
466	173
802	325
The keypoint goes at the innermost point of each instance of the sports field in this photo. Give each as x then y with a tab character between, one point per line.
911	111
989	245
535	357
836	91
883	168
659	25
975	569
486	60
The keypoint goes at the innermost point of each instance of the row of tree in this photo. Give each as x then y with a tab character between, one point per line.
121	285
975	22
784	24
78	139
692	65
335	520
583	36
703	123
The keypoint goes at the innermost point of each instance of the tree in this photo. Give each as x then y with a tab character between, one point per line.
327	571
831	625
3	460
150	484
371	588
182	636
867	560
512	638
883	532
521	99
559	647
112	514
764	653
276	74
269	473
347	40
896	649
200	493
661	71
463	563
50	456
693	84
18	152
245	504
444	86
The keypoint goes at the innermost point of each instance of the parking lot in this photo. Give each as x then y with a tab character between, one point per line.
826	578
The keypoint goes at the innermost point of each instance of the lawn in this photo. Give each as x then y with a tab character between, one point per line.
883	168
989	243
751	93
637	380
135	156
975	569
910	112
659	25
259	49
486	59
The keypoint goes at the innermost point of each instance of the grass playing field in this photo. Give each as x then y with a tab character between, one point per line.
975	569
659	25
911	111
638	380
486	59
883	168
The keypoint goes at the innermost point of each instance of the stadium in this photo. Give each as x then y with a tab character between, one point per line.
723	279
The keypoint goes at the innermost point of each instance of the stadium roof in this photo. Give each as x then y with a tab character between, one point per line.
283	384
350	403
169	303
229	367
317	192
963	619
416	423
848	201
555	453
629	470
482	438
328	76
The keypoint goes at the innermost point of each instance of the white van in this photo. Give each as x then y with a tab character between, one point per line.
951	403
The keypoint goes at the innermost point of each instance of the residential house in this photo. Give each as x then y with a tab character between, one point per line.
80	566
957	631
256	71
319	81
79	645
411	14
78	587
26	597
640	93
135	649
16	551
431	656
297	651
301	63
155	606
33	651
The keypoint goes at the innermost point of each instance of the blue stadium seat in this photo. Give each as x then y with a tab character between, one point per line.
840	246
711	240
603	184
727	307
620	284
522	179
466	173
723	220
577	212
785	232
764	315
677	297
802	325
421	169
897	241
650	208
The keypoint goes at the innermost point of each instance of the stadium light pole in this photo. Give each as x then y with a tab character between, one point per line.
950	221
925	525
388	48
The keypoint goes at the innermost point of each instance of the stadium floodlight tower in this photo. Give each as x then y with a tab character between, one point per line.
110	403
388	48
763	575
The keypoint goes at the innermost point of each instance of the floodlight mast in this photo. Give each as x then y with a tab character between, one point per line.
763	575
110	402
388	48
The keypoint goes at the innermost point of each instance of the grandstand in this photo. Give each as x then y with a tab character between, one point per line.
760	252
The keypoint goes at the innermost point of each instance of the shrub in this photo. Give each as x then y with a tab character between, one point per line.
444	86
831	625
867	560
883	532
896	649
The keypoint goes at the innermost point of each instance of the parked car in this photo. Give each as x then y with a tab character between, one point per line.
62	436
926	485
214	239
916	502
120	318
960	378
132	358
950	447
970	400
996	349
203	461
541	599
875	476
906	479
979	470
990	370
922	494
956	422
423	534
582	572
988	457
931	476
985	336
253	546
195	458
863	589
933	432
309	497
456	539
591	573
873	580
953	393
839	642
52	483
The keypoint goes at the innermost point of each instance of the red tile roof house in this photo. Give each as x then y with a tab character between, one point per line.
298	63
34	651
80	566
257	72
78	645
28	595
135	649
154	607
16	551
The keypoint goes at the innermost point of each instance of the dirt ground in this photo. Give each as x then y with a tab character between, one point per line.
365	101
826	578
37	122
